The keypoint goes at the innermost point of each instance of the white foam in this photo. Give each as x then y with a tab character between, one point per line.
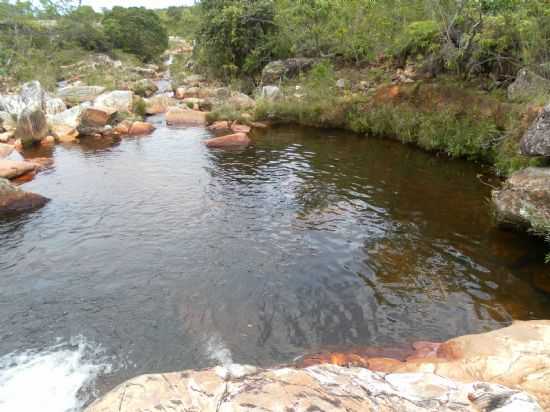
53	380
218	352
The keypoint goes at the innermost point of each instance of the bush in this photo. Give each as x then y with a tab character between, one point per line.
136	30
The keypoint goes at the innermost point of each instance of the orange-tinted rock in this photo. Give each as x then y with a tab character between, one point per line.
10	169
123	128
97	116
240	128
179	116
48	141
232	140
140	128
14	200
64	133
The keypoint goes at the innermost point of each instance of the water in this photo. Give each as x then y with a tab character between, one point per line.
170	256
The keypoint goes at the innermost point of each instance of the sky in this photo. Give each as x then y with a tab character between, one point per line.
154	4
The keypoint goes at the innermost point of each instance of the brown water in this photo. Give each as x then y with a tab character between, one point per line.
170	256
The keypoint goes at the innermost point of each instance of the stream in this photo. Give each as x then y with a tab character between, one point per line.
157	254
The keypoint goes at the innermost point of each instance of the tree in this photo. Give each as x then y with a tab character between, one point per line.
136	30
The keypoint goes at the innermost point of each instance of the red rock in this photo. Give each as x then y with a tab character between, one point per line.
140	128
232	140
240	128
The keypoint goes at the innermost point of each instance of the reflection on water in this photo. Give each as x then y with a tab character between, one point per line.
172	256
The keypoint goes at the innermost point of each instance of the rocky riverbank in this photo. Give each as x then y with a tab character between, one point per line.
504	370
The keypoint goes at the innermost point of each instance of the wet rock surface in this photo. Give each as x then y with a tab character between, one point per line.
524	199
14	200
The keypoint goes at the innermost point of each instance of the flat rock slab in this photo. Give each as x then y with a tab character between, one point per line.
239	388
14	200
179	116
524	199
10	169
232	140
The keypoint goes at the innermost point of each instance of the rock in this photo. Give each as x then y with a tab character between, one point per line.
271	92
10	169
32	126
536	141
240	128
232	140
54	106
33	95
48	141
240	388
65	133
140	128
70	117
177	115
194	80
186	92
528	85
145	88
159	104
5	150
11	104
280	70
73	95
524	200
14	200
8	122
219	127
119	100
97	116
123	128
241	101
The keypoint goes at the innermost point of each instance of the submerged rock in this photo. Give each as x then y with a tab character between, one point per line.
14	200
536	141
524	200
527	85
232	140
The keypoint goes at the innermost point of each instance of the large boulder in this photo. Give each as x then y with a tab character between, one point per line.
145	88
73	95
232	140
159	104
33	95
271	92
11	169
32	126
71	117
14	200
279	70
95	119
54	105
527	85
120	100
524	200
241	101
241	388
536	141
181	116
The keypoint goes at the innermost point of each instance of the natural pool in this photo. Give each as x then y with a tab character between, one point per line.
157	254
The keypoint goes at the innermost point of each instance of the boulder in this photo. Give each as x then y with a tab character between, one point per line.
240	128
159	104
119	100
536	141
97	116
33	95
73	95
220	127
179	116
11	104
10	169
32	126
140	128
54	106
5	150
232	140
65	133
8	121
241	101
524	199
279	70
145	88
14	200
123	128
271	92
70	117
527	85
320	388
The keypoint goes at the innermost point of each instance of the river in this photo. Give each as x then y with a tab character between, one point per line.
158	254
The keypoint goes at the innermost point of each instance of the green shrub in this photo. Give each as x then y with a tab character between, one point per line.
136	30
